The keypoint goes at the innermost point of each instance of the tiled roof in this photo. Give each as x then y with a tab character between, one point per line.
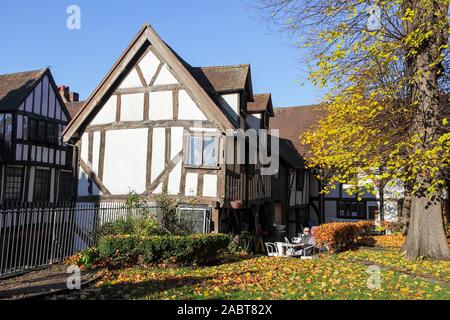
293	122
261	103
74	107
15	87
222	78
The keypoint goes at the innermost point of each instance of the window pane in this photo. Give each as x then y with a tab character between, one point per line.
65	186
209	151
41	185
42	131
195	151
13	184
51	133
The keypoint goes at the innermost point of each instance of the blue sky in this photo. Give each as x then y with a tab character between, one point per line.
204	32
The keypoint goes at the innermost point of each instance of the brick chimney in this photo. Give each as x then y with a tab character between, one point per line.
67	95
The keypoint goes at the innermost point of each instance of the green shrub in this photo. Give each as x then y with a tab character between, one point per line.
182	250
142	226
121	249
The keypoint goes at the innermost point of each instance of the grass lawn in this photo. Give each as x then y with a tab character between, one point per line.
343	276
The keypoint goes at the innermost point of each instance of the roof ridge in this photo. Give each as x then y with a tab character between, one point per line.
23	72
246	65
301	106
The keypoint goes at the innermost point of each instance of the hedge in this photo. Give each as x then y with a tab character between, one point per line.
182	250
338	236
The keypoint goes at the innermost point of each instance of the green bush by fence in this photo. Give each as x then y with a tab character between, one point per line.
184	250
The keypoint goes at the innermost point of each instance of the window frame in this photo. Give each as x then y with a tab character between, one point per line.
201	135
18	192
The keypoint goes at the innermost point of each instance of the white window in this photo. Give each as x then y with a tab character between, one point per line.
202	151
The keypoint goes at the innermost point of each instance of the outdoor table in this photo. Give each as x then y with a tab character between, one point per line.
282	247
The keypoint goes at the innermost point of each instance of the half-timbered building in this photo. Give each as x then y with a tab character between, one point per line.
35	165
157	124
337	204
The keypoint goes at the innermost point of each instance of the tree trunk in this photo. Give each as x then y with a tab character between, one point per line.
426	234
406	212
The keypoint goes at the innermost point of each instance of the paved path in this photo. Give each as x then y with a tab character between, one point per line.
36	283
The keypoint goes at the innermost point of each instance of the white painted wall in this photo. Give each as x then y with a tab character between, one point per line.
187	108
132	107
173	186
210	185
191	184
107	113
125	160
165	77
161	105
230	102
131	80
158	152
149	64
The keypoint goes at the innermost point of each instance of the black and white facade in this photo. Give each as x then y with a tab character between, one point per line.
35	165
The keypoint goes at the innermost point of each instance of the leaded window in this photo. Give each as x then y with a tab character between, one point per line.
41	185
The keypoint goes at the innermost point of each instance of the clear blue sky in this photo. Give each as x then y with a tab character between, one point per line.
204	32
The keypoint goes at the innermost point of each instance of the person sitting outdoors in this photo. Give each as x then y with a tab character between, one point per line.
305	236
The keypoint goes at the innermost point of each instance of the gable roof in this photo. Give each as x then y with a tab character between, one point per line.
261	103
148	37
15	88
293	122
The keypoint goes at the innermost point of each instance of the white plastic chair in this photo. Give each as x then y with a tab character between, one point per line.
272	250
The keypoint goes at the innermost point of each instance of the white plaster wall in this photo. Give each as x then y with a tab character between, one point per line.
131	80
125	161
37	98
210	185
29	103
84	147
173	186
165	77
191	184
132	107
45	155
39	154
51	103
187	109
19	126
18	152
161	105
96	152
149	64
230	102
45	96
176	141
158	152
107	113
25	152
83	184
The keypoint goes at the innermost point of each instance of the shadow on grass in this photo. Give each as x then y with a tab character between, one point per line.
133	290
